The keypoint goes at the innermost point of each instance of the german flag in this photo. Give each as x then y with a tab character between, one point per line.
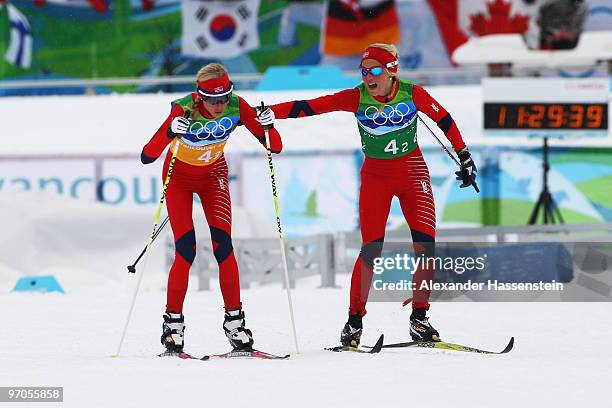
350	27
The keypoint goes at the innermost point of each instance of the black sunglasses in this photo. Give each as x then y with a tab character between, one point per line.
216	100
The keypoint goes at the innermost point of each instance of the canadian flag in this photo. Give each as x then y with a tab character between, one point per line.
460	19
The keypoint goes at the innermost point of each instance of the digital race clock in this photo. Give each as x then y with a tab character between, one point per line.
553	116
545	107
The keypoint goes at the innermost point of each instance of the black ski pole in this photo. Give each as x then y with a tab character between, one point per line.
132	268
155	232
447	151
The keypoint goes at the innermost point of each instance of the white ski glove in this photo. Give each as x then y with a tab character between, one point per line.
179	126
266	117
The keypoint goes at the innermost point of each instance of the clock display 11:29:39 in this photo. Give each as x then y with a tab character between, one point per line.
586	116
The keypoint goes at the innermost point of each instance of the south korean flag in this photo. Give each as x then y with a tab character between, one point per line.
219	29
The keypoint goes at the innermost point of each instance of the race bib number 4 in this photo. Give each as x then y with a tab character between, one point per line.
200	155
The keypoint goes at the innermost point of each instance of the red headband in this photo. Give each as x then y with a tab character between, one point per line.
386	59
215	86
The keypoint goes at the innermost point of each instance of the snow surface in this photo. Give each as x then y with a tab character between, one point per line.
561	356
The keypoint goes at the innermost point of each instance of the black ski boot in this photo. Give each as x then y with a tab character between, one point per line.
173	332
420	328
239	336
351	333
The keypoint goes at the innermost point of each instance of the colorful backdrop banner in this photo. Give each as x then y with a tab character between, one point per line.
69	39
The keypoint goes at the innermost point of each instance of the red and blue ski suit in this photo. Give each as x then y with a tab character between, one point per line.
393	166
201	168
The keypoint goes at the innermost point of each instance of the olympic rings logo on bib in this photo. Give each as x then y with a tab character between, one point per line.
212	129
389	114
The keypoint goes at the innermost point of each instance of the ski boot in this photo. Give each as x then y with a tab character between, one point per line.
351	333
173	330
420	328
240	338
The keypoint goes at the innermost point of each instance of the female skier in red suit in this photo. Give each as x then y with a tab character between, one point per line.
214	111
385	108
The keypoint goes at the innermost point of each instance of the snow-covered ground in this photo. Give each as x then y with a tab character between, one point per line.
561	357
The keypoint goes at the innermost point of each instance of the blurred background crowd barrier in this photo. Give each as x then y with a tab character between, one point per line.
577	256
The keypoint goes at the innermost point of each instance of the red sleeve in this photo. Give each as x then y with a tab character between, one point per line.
154	148
346	100
425	103
248	118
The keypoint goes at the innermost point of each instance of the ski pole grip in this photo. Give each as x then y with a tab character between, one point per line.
186	115
261	108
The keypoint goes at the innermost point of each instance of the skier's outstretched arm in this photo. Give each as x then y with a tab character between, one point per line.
346	100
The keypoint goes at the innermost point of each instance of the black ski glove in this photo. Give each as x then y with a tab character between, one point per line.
467	173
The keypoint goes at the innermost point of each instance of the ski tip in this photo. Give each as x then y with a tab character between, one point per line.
379	345
285	357
508	347
373	349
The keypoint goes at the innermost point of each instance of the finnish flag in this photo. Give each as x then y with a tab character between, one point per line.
219	29
20	48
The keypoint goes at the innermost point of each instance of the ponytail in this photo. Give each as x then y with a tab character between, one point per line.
196	108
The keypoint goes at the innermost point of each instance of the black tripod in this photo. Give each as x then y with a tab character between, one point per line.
545	201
